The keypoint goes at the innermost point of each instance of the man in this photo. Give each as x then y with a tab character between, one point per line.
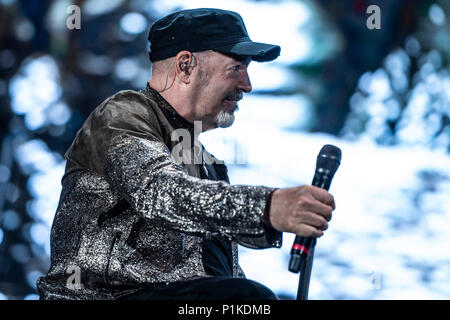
144	214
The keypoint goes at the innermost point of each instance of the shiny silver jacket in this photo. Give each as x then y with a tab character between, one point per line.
131	215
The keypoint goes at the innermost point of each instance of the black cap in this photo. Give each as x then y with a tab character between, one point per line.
206	29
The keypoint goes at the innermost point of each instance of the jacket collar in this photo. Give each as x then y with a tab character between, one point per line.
175	119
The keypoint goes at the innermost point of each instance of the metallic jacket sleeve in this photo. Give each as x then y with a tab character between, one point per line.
146	175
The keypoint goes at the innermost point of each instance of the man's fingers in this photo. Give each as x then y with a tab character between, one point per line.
323	196
314	220
323	210
317	207
308	231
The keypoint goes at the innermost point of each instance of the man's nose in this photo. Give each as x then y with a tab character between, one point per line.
245	84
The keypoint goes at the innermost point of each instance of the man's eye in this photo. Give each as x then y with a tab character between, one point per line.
236	68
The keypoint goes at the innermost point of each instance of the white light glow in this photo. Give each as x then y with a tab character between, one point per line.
133	23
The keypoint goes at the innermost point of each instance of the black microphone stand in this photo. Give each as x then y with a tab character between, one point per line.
305	274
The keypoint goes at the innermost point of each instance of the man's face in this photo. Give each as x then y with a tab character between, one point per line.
219	84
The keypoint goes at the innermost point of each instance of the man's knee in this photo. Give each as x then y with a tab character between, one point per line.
252	290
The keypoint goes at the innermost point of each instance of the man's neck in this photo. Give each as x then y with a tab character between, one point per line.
179	101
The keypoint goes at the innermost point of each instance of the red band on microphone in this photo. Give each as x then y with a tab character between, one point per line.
299	247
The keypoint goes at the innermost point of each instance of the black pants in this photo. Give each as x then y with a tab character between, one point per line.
214	288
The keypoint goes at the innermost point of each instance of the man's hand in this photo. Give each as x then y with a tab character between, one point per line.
303	210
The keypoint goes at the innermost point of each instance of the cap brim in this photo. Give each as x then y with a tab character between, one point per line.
261	52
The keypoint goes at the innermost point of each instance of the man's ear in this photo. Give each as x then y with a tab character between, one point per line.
184	62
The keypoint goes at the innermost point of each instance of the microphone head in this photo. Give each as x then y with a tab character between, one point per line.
329	159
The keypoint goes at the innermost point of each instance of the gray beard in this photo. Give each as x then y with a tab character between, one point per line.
224	119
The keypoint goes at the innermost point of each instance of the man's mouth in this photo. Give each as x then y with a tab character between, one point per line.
235	96
232	100
230	105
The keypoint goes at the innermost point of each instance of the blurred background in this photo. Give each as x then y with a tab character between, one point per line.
381	95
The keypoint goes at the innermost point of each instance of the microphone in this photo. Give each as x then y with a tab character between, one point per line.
328	161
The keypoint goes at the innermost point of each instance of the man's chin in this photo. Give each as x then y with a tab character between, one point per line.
225	119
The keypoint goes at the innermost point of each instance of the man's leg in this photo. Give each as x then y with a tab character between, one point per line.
214	288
